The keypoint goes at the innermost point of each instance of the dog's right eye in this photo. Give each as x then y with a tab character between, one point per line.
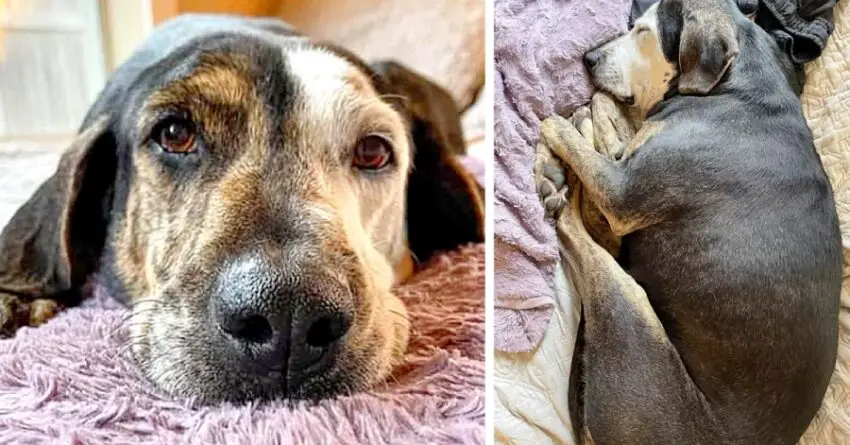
176	136
372	153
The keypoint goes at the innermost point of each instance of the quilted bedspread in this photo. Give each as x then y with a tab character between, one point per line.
826	103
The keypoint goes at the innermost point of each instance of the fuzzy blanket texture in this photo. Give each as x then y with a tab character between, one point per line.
538	48
72	381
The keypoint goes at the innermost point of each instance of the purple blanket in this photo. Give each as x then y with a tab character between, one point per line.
72	381
538	48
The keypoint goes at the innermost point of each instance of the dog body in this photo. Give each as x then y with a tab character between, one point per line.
252	196
718	321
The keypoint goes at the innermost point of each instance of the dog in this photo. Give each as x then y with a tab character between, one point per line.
717	321
252	196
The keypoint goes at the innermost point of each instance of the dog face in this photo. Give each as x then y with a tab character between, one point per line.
683	44
258	202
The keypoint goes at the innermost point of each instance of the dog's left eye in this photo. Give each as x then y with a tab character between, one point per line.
175	136
372	153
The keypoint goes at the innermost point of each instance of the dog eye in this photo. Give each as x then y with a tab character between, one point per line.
641	30
175	136
372	153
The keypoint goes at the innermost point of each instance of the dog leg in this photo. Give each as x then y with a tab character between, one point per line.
604	181
598	128
549	173
634	388
613	129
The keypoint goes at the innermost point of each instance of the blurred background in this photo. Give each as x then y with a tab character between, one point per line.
55	55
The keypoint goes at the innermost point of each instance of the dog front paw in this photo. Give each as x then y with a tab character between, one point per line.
613	130
16	313
550	178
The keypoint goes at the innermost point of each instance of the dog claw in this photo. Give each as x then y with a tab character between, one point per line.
553	203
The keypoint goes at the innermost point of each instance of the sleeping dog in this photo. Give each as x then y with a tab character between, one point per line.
717	322
252	196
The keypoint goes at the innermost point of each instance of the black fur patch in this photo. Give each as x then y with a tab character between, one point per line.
670	21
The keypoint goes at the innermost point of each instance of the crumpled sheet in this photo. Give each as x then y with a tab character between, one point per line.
531	387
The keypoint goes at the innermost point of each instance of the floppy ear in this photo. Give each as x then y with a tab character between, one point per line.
707	47
749	8
444	203
53	241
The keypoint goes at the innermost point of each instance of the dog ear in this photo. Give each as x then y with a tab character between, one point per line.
53	241
749	8
444	203
707	48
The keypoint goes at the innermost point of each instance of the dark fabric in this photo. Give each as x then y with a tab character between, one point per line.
801	27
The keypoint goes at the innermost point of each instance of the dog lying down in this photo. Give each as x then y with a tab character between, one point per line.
717	321
252	196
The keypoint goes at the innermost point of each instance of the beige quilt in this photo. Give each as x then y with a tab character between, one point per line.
826	102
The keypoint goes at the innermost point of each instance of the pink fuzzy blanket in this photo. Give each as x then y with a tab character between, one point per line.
72	381
538	48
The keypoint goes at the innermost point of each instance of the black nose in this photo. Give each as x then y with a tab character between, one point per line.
275	325
276	342
591	59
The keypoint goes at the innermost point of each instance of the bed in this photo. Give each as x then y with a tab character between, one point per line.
534	410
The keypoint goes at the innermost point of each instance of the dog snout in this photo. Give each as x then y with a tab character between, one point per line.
274	324
592	58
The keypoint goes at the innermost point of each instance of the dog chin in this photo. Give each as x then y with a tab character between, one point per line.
626	99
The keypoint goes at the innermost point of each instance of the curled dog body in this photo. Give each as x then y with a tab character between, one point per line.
715	319
252	196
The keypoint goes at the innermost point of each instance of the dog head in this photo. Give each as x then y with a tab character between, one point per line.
683	44
253	196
